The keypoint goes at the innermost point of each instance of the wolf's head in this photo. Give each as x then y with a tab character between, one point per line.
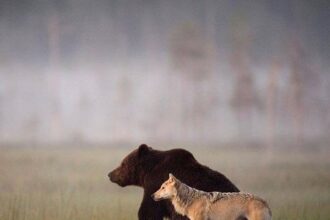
168	189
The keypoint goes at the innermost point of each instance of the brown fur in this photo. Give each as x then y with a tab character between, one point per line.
149	168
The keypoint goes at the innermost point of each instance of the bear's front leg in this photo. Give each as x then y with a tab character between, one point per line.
178	217
151	210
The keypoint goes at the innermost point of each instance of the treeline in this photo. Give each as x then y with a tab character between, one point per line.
100	71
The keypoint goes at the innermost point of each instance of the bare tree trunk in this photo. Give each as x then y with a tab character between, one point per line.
244	100
296	87
54	39
54	57
271	103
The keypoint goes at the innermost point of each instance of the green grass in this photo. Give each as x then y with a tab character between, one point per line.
71	183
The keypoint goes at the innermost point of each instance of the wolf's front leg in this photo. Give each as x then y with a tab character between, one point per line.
199	216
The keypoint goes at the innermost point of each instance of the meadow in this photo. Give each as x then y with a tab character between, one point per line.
62	183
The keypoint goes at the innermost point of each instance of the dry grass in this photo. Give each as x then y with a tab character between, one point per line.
71	183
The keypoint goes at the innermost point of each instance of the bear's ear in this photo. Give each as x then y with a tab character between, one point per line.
143	150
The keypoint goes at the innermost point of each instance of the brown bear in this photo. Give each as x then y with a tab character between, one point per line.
149	168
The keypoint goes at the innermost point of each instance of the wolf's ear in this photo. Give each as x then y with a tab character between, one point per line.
143	150
171	177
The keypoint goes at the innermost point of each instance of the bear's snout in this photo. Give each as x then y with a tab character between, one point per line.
116	176
109	175
113	177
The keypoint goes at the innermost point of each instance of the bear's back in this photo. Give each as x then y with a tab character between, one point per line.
183	165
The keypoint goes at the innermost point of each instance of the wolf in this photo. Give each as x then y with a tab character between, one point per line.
199	205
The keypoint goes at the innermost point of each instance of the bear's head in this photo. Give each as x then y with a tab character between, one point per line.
130	171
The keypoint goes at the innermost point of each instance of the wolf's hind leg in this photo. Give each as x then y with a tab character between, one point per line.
260	215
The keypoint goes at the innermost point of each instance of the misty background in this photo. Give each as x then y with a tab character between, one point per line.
176	71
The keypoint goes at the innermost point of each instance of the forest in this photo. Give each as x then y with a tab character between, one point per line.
110	71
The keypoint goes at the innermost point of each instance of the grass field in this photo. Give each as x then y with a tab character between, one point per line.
72	183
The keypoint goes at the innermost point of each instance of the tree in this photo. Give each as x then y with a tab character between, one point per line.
192	60
271	101
244	100
303	88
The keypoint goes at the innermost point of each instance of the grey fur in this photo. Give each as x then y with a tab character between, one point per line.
186	194
197	204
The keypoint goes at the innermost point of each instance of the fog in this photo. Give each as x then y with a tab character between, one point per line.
172	71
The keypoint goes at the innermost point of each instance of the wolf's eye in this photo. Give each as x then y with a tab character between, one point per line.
163	187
